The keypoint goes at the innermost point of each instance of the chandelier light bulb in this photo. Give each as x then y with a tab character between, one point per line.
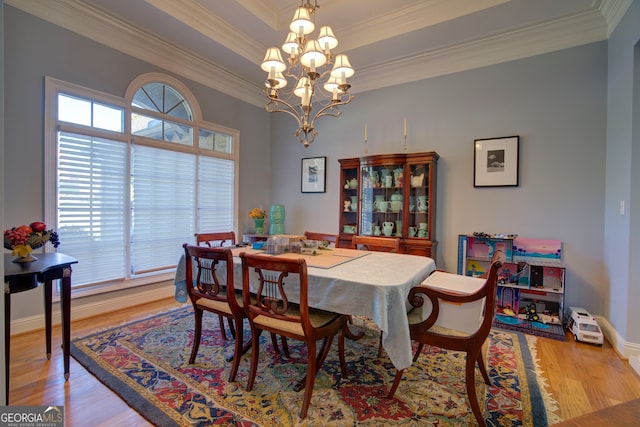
331	84
342	69
291	45
301	87
301	23
278	78
273	61
327	39
313	57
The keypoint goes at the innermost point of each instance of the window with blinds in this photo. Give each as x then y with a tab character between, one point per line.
131	186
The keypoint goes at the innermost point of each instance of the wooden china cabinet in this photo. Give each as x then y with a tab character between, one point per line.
390	195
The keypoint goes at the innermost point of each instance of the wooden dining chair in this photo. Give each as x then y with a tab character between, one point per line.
224	238
208	292
468	339
378	244
331	238
273	310
212	240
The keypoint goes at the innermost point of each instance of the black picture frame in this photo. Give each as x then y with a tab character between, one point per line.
496	162
314	175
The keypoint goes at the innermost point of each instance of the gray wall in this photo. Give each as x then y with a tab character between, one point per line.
555	102
622	246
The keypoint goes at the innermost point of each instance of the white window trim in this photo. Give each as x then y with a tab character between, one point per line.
55	86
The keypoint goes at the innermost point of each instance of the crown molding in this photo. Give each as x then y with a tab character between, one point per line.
613	11
572	31
411	18
101	27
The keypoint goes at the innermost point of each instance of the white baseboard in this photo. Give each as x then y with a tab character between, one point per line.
82	311
635	363
626	350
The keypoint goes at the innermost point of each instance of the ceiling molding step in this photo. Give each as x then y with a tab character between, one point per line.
213	27
563	33
264	10
411	18
613	11
94	24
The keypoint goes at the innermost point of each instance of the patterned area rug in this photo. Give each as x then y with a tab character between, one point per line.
146	364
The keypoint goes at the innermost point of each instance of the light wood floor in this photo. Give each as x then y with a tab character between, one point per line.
581	377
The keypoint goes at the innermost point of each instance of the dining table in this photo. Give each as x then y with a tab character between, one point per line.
353	282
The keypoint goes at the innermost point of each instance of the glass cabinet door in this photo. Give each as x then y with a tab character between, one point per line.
349	207
381	200
419	199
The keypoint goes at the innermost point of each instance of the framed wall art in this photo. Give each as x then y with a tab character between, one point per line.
314	175
495	162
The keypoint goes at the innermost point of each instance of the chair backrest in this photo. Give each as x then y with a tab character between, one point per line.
487	293
498	255
331	238
282	283
225	238
378	244
209	274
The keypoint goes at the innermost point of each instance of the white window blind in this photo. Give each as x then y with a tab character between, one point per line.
215	194
92	180
162	207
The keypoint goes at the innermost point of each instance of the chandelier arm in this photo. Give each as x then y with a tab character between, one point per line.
290	109
333	106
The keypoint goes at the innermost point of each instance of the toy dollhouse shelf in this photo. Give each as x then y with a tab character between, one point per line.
531	283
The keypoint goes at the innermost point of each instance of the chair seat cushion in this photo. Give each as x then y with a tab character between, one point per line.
216	305
318	319
221	305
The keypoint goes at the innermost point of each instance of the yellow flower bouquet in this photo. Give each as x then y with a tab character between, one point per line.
258	213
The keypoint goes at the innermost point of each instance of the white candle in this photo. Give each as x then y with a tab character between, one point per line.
365	131
405	127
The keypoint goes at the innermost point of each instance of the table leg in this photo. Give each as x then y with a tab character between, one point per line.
47	316
7	342
66	318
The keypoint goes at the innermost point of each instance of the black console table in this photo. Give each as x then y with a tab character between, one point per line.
20	277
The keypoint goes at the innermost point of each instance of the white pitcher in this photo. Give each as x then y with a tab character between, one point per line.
422	203
387	228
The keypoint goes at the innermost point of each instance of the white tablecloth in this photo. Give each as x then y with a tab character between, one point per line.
375	286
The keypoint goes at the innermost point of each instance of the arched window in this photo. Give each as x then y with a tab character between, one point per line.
136	177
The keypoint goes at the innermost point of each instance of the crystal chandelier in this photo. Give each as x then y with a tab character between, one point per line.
317	75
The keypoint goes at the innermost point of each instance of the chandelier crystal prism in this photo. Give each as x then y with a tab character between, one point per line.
318	76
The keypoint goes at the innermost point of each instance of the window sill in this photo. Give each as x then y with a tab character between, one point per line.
117	286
